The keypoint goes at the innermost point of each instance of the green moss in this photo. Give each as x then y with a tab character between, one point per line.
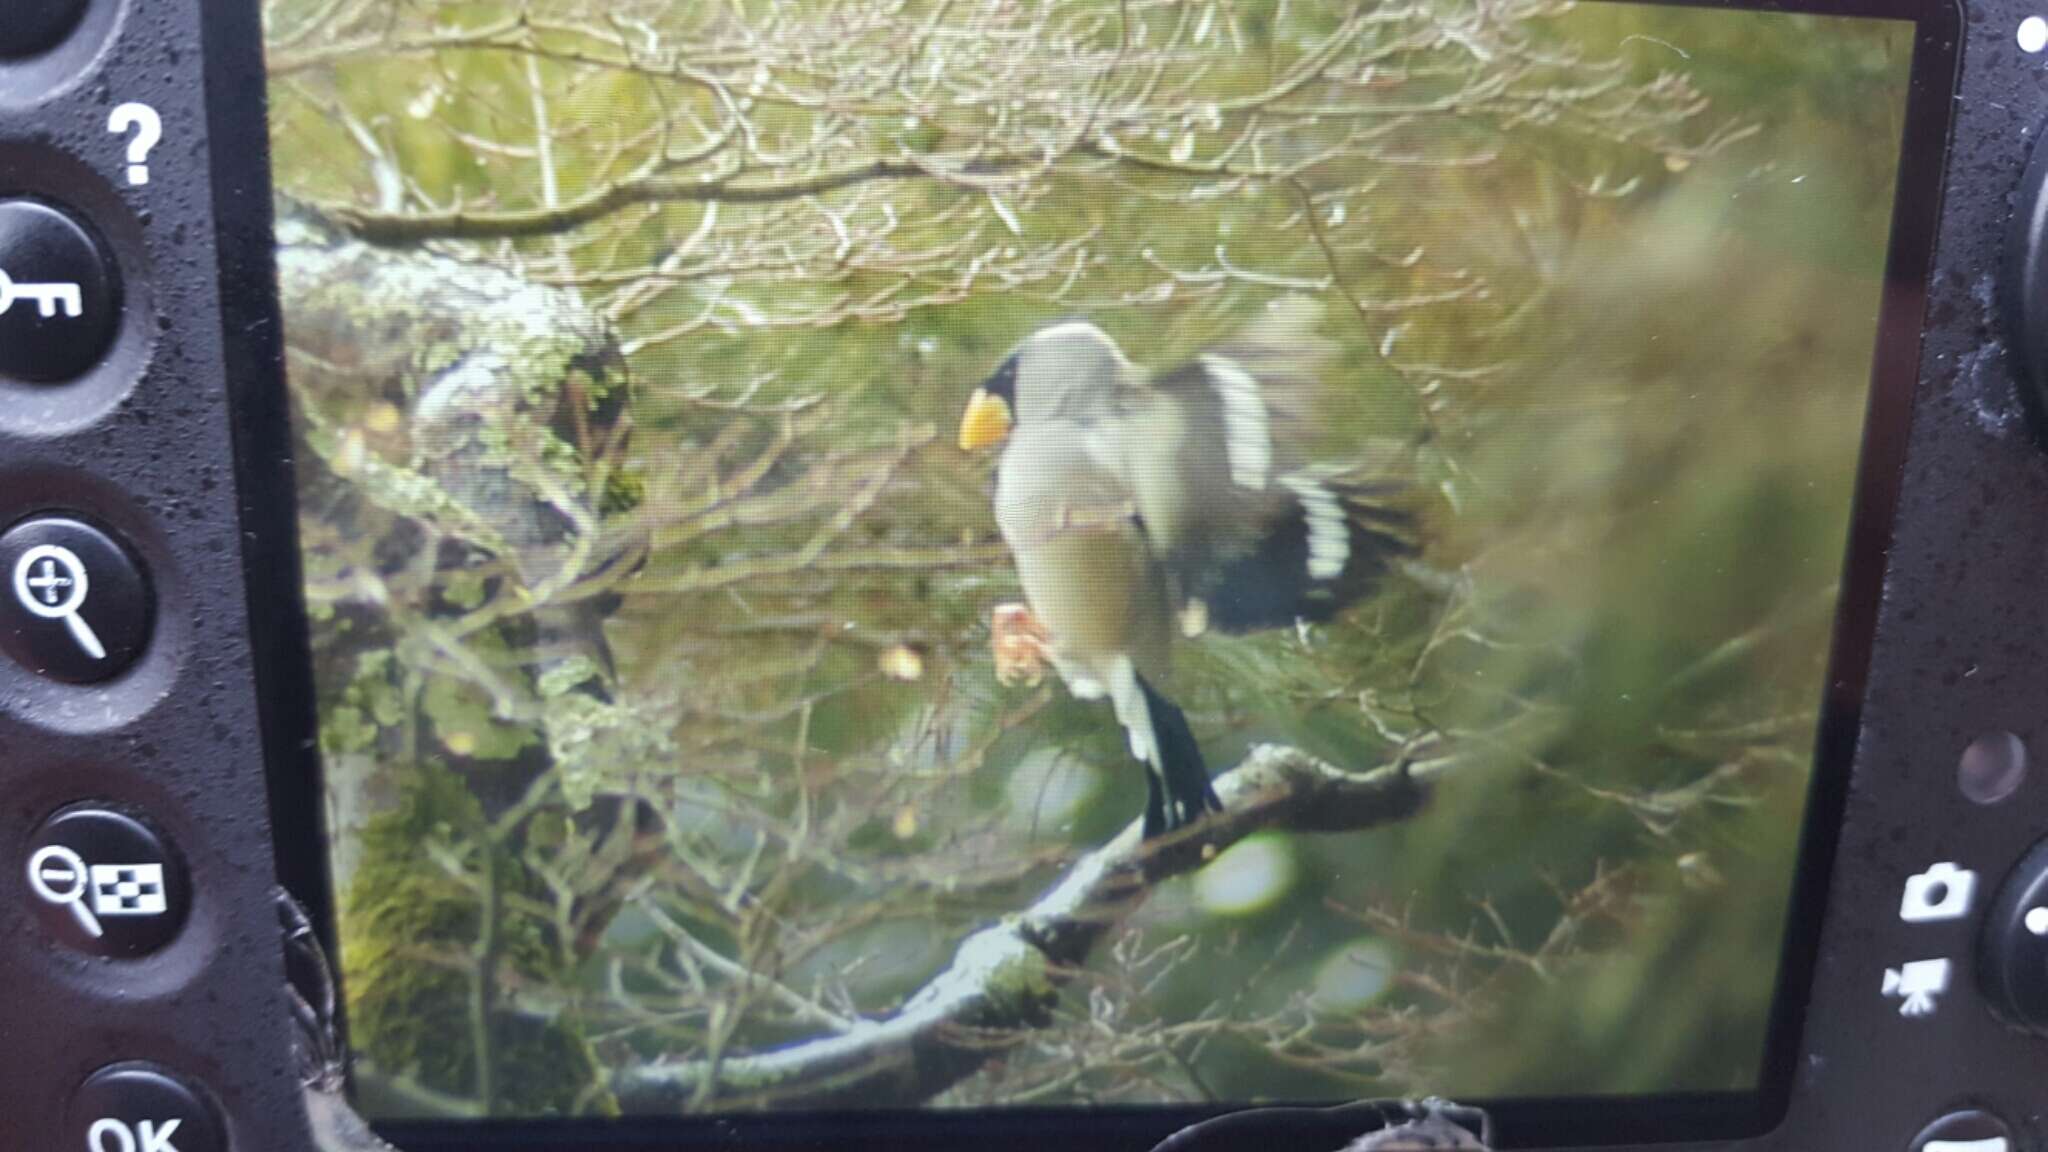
408	932
623	492
1015	975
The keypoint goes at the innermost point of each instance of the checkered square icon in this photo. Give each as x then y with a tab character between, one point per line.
128	890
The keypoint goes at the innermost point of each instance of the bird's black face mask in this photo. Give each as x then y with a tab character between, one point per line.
991	410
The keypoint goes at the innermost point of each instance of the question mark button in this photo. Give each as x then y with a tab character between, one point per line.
60	294
148	130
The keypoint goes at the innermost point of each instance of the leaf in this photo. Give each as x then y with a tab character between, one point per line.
462	718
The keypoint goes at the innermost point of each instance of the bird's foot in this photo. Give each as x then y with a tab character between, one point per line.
1021	645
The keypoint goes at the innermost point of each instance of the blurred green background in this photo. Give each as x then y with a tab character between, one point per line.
1604	281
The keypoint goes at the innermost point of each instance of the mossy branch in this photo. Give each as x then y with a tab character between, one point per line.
1004	979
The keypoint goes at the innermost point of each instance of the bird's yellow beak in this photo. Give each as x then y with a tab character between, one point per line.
987	421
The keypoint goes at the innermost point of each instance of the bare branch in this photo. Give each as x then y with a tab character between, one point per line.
474	224
1004	979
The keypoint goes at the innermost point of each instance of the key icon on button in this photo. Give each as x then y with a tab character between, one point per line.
48	297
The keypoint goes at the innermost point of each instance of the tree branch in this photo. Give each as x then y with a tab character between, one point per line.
409	227
1004	979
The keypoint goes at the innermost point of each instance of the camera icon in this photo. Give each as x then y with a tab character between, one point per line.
1943	892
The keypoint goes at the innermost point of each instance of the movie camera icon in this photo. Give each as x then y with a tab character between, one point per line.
1917	984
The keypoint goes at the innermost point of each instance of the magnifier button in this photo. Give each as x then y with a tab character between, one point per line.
75	605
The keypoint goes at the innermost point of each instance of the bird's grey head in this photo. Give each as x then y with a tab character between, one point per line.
1056	371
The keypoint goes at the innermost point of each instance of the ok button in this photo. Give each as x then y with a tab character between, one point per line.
75	605
139	1107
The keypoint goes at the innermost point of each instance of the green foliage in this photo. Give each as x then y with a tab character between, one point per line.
371	702
462	718
408	930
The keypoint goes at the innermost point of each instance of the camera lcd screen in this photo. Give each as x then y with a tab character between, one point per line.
982	558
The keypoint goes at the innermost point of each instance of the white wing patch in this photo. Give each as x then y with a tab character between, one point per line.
1329	534
1247	436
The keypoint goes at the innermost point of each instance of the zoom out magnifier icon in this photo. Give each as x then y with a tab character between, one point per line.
58	875
51	582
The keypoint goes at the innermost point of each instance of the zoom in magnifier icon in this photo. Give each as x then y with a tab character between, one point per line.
51	582
58	875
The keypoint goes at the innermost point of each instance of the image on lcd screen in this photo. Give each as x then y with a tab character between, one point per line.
1070	553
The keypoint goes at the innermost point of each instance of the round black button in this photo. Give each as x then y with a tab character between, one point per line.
1967	1131
2012	961
35	26
103	882
60	296
75	606
139	1107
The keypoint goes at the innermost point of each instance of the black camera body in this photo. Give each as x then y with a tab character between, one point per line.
142	999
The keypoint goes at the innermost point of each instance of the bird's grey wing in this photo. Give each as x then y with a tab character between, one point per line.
1224	433
1277	357
1251	535
1204	458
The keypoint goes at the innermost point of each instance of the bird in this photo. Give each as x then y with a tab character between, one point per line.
1143	508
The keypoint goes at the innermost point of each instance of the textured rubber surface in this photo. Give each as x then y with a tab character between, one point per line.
140	444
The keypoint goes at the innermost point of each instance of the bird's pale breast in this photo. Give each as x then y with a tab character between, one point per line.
1086	569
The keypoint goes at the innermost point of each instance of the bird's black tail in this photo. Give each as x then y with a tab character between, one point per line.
1179	792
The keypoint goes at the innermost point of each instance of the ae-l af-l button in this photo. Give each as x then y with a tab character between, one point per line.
75	605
